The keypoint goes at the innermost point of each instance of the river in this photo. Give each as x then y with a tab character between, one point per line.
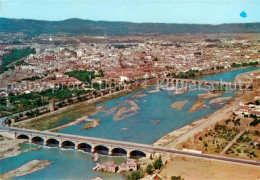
152	117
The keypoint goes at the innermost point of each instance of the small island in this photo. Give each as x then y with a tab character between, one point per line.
93	123
198	104
27	168
179	104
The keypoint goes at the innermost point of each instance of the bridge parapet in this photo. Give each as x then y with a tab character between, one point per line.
112	147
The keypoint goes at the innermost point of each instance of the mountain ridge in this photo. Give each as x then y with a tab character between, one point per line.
77	26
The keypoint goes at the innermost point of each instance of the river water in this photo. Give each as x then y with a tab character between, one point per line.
152	117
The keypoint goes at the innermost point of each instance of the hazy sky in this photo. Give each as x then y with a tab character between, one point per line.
167	11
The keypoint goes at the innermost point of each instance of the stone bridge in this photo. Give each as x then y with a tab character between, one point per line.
207	82
106	146
84	143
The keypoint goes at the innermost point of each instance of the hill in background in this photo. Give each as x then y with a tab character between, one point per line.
77	27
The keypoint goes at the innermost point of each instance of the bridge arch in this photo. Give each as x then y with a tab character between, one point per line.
101	149
22	136
68	145
119	152
37	140
136	154
52	142
85	147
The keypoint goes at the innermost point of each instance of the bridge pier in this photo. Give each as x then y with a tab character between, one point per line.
92	149
128	154
110	151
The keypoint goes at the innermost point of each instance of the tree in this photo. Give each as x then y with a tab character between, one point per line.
176	178
79	98
37	112
158	163
101	73
70	100
149	169
135	175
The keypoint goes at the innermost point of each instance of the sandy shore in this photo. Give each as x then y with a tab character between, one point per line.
27	168
124	112
154	91
175	138
219	100
140	94
209	95
10	148
77	121
43	122
198	104
179	104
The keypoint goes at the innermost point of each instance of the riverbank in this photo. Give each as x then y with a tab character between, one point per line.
53	120
25	169
77	121
175	138
189	168
11	147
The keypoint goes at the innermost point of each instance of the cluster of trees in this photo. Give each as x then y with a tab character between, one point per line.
244	64
176	178
244	139
85	76
26	101
135	175
220	67
3	101
82	75
63	93
255	122
220	127
190	73
15	55
31	113
32	78
158	164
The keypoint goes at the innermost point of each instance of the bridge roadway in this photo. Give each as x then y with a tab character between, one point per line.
115	143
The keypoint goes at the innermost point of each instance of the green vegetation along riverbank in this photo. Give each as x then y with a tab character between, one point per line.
70	113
